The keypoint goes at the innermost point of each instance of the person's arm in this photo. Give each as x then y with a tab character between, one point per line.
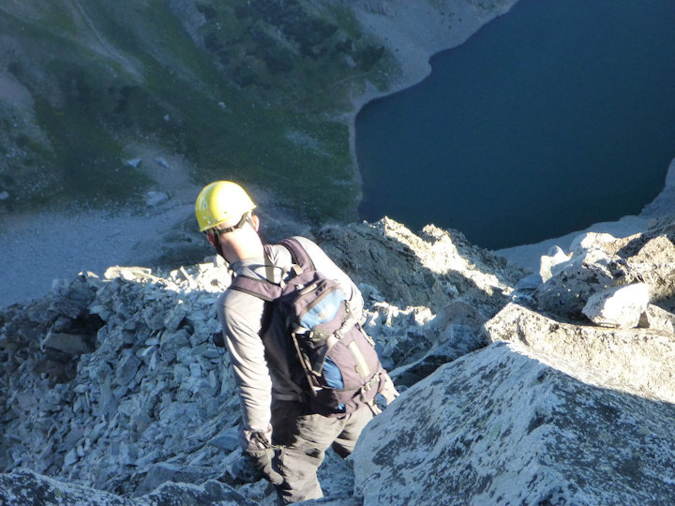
240	321
247	356
252	378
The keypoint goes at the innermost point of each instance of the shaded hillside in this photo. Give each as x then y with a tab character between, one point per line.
264	92
247	90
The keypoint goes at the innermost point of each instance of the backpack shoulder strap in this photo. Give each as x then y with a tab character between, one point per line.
268	290
298	252
257	287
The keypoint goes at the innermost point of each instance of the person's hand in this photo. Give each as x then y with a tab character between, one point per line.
388	390
260	454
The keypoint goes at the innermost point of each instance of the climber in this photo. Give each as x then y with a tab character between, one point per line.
282	433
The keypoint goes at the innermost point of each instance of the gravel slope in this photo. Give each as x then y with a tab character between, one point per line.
37	249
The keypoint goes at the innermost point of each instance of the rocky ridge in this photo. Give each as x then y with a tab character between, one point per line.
517	387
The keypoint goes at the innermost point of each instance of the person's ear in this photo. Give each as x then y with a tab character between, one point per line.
255	221
211	238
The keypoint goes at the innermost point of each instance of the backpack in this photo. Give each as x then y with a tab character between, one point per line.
338	358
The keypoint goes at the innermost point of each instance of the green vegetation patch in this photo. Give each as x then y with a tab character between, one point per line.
253	90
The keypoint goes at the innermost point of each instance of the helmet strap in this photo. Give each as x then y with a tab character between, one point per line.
245	218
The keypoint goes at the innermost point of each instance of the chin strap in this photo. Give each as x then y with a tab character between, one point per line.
214	239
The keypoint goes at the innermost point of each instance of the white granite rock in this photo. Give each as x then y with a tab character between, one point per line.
619	306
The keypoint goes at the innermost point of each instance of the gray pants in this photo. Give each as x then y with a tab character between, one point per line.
304	439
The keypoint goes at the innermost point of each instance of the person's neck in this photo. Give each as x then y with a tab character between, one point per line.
248	247
248	253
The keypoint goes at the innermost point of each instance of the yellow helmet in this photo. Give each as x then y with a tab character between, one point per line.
220	202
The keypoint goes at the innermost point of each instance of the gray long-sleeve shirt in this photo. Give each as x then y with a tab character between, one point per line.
266	367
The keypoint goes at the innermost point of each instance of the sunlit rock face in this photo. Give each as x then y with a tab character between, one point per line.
501	426
599	262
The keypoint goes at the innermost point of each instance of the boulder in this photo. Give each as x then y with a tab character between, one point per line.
501	426
619	306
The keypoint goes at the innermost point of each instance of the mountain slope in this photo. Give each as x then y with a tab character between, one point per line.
240	93
262	92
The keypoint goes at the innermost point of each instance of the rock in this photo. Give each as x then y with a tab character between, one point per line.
654	264
593	240
465	342
620	306
658	319
72	344
571	283
500	426
211	492
154	198
116	382
598	262
662	205
555	257
426	270
529	283
639	361
26	488
162	162
164	472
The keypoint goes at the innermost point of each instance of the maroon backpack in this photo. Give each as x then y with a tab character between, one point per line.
338	357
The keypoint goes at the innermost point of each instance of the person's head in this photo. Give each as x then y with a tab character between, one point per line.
224	213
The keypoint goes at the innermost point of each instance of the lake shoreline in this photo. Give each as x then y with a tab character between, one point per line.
414	36
391	131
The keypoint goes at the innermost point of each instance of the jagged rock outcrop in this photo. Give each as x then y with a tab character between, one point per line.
114	383
425	270
599	262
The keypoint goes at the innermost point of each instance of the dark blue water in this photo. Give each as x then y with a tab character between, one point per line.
553	117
